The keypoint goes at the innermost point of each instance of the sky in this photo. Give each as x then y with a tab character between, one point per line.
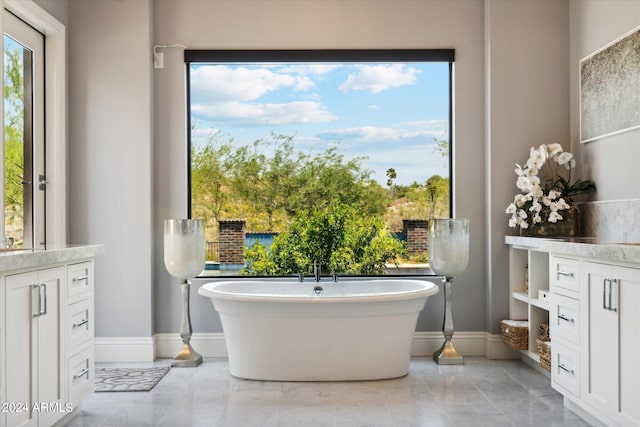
389	113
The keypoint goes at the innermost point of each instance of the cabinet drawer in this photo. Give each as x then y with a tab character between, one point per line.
564	274
565	369
565	319
80	375
79	279
79	324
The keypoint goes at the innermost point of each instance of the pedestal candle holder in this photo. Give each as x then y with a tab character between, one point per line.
184	257
448	257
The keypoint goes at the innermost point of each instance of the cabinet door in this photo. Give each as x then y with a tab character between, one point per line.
50	349
628	289
21	336
33	334
612	334
600	333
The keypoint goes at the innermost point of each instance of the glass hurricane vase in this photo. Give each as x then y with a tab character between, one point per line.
448	257
184	257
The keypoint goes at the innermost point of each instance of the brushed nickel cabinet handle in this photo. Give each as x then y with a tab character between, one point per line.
564	368
80	323
81	374
565	318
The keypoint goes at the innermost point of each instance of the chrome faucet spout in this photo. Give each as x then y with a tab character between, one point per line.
317	270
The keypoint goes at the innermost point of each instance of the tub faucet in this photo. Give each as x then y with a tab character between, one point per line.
316	270
7	242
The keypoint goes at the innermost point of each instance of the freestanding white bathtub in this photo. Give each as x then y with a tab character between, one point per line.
286	331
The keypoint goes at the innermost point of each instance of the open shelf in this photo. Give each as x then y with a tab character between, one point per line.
529	274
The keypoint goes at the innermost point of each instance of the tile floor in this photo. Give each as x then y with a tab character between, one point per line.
480	393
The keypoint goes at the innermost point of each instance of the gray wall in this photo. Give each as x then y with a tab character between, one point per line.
110	149
611	162
527	104
515	81
323	24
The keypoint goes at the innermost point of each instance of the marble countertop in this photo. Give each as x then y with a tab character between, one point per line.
583	247
27	258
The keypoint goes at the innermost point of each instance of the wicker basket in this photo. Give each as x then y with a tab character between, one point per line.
544	351
515	333
543	332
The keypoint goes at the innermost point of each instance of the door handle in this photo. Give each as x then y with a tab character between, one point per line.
611	283
565	318
37	299
564	368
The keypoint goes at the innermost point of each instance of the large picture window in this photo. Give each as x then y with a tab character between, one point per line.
339	157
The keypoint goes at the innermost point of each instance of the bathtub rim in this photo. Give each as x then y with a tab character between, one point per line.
426	288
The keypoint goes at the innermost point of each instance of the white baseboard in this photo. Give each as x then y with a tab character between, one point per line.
495	348
167	345
466	343
207	344
125	349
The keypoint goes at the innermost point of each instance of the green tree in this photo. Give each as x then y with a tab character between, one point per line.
13	139
437	189
209	194
442	147
266	183
275	179
341	239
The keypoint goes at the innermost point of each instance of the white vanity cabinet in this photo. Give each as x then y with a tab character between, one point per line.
33	343
564	324
594	321
79	330
611	340
46	334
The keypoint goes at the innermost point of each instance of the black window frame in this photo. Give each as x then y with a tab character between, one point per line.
248	56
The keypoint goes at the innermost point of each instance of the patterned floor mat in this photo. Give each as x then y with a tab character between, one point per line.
128	379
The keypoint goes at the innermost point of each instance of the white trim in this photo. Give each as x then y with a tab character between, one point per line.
467	343
167	345
55	110
125	349
495	348
207	344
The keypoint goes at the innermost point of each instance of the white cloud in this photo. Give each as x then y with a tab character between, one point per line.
309	69
246	114
428	129
220	83
377	78
303	84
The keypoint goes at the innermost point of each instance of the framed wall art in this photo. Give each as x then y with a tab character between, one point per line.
610	89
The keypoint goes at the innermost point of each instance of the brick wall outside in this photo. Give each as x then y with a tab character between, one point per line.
231	237
417	232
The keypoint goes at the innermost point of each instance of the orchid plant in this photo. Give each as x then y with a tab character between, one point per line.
546	190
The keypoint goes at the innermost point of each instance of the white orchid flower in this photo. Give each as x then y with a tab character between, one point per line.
554	149
555	217
522	214
523	224
562	204
564	158
535	207
511	209
523	183
553	194
536	192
